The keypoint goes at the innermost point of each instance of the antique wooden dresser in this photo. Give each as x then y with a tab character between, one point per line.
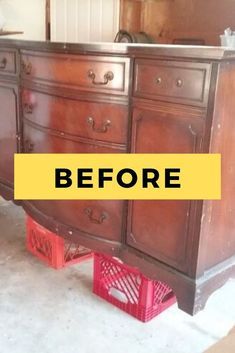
113	98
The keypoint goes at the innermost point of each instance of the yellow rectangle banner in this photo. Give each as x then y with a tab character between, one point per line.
117	176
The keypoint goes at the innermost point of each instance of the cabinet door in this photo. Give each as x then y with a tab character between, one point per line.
163	228
8	131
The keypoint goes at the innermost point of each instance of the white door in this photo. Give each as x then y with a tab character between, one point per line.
84	20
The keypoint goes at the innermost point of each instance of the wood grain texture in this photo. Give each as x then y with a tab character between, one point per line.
172	81
218	218
163	229
167	20
95	121
8	130
96	74
187	244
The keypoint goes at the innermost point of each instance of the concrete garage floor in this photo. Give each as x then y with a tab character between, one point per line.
48	311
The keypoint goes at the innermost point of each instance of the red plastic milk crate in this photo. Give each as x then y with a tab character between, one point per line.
51	248
129	290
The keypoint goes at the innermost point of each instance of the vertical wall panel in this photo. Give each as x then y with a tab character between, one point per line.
110	19
96	20
71	20
59	22
84	20
83	27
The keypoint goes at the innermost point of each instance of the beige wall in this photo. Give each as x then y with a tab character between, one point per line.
25	15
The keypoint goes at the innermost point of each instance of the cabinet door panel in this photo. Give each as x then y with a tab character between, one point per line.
162	228
8	131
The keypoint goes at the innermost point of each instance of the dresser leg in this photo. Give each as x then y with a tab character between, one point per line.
192	294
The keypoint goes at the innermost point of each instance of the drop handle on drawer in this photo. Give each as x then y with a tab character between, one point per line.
26	68
109	76
28	146
89	212
102	129
28	108
3	63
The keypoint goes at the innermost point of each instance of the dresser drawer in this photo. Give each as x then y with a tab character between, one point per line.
8	63
86	73
102	219
98	121
41	140
181	82
98	218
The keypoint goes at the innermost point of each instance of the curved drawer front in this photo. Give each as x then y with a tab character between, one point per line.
8	62
86	73
98	121
173	81
37	140
98	218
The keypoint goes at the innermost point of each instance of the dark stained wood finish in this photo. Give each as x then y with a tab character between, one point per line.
42	140
8	131
173	81
88	73
96	121
163	229
188	244
102	219
218	235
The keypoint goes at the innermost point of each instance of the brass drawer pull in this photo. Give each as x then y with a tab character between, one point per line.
18	137
3	63
27	68
158	80
179	82
102	129
28	146
89	213
109	76
28	108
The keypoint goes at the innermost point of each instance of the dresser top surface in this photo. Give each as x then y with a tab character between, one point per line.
152	50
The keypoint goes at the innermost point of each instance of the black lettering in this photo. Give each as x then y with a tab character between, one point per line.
81	178
103	178
131	183
63	178
150	179
169	178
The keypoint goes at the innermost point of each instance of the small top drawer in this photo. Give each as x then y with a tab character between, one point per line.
177	82
87	73
8	62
